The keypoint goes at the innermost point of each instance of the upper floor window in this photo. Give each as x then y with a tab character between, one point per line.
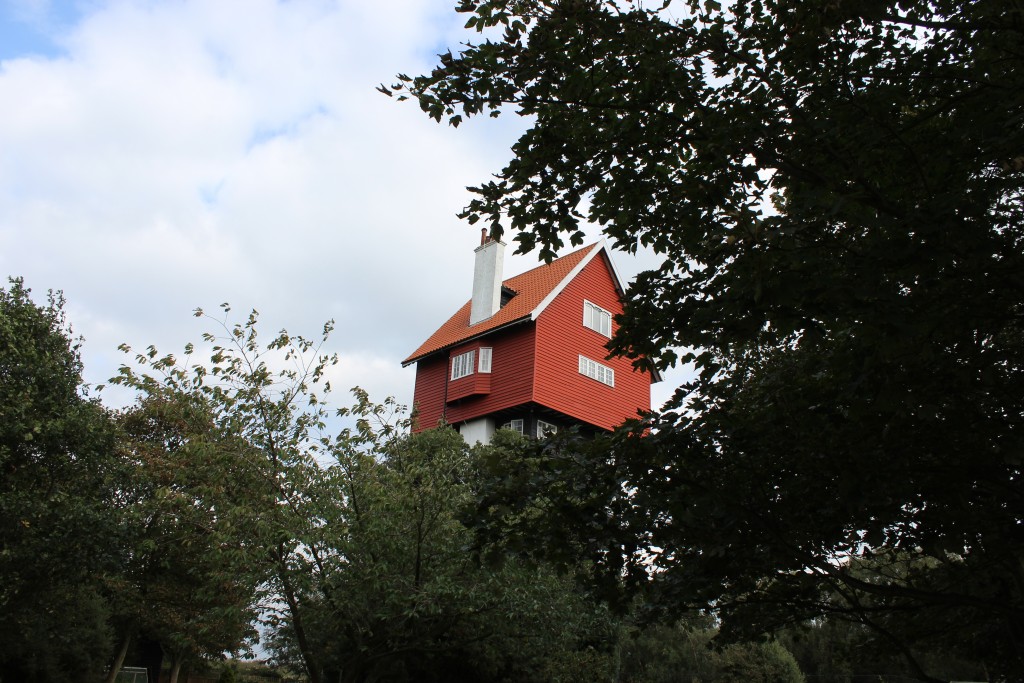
485	360
462	364
597	319
594	370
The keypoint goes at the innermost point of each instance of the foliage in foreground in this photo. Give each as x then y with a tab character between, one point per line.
684	652
58	535
356	531
398	596
221	492
180	518
113	528
189	579
834	190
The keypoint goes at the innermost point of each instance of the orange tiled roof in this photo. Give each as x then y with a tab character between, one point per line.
531	288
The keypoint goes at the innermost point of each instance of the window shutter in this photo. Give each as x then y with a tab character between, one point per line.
597	319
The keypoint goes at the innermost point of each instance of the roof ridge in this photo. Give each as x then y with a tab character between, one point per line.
532	288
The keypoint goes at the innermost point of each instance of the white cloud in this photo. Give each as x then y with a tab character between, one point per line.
181	154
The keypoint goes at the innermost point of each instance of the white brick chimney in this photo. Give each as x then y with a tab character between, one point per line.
490	257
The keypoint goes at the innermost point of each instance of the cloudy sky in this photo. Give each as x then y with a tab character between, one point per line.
158	156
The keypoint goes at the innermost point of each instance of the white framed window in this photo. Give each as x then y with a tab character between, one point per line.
595	370
597	319
514	425
462	364
545	429
485	360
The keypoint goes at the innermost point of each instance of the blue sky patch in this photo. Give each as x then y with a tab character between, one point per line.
33	28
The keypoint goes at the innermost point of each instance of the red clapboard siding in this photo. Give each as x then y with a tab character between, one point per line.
536	361
428	396
511	373
511	380
561	338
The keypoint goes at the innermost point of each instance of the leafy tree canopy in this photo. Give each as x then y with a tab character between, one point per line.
191	492
245	473
58	527
834	190
255	408
398	597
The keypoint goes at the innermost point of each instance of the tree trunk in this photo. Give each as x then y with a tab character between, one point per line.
115	668
312	670
175	669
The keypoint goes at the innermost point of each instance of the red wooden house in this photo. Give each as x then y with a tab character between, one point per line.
529	353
